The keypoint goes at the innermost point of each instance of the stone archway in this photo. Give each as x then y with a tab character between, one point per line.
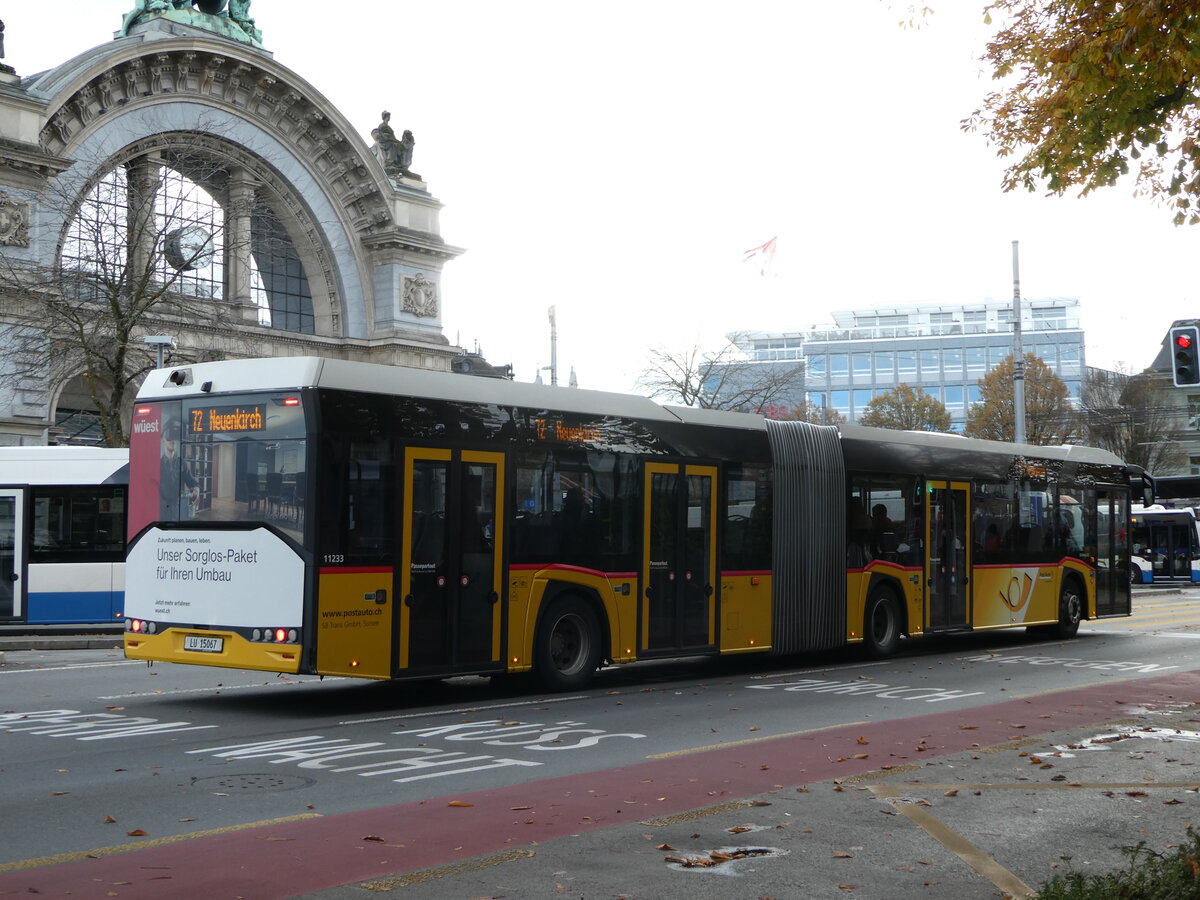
323	251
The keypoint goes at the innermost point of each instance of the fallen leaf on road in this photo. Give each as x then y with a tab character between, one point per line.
376	839
109	820
862	740
459	803
842	854
137	832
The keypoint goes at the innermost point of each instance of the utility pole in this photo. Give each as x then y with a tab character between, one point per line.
553	347
1018	355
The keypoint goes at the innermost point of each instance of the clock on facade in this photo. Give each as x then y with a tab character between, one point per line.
190	247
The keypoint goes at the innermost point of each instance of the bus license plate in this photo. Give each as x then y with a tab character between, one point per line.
203	644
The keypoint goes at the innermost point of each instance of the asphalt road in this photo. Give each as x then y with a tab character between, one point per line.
101	754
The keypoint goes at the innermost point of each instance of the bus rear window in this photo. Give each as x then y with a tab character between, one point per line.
224	459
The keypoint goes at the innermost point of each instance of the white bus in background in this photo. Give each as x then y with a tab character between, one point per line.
63	513
1165	544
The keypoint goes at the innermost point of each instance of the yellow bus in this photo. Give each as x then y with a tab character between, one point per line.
327	517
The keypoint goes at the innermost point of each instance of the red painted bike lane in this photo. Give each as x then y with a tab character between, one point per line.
288	859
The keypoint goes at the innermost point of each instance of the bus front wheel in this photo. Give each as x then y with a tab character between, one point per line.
567	651
1070	611
881	624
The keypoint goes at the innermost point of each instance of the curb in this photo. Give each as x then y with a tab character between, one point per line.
59	642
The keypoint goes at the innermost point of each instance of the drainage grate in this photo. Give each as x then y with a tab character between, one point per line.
253	784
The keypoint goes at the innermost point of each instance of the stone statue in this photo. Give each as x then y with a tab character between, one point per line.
239	12
396	155
8	70
142	9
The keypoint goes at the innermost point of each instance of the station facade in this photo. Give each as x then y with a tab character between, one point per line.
178	166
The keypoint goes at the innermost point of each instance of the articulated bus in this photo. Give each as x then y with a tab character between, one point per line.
1165	545
62	535
334	518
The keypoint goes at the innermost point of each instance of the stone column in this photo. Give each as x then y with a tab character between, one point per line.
238	247
141	192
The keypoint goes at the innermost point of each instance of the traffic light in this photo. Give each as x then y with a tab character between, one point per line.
1185	355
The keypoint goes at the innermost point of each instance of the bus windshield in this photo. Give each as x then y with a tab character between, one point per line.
236	459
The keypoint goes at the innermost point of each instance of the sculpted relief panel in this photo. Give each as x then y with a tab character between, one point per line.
14	222
420	297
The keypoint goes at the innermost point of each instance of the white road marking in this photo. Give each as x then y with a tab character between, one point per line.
213	689
95	665
463	709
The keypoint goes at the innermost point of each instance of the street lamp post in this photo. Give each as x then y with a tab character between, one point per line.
1018	356
159	342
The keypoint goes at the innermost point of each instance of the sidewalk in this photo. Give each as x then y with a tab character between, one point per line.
60	637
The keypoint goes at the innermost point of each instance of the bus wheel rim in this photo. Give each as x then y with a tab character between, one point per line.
568	644
1072	607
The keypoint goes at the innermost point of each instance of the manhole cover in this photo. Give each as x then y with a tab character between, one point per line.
252	784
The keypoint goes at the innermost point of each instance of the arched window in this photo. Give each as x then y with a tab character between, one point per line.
189	230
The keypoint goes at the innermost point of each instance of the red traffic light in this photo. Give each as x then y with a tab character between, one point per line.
1183	341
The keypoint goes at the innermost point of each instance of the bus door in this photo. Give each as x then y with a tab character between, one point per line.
12	562
1112	552
946	572
679	557
451	564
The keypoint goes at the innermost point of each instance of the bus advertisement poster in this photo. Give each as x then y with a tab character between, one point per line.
235	579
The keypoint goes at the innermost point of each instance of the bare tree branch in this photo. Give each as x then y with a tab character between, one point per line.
724	379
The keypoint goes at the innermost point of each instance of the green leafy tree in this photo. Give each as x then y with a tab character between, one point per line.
804	411
906	409
1094	90
1050	419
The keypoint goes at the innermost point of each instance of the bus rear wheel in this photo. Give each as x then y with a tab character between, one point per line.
1070	611
881	624
567	649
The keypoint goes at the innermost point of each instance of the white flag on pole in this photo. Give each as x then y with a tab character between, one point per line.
762	257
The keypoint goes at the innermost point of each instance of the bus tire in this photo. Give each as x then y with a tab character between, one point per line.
1070	611
881	623
567	648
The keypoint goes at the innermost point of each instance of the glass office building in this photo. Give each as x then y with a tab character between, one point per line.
944	349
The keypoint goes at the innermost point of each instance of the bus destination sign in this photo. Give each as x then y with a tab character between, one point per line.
557	430
228	419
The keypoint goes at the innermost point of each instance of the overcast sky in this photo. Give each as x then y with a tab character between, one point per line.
615	159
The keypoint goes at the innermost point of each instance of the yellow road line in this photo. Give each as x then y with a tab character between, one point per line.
143	845
754	740
458	868
983	864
